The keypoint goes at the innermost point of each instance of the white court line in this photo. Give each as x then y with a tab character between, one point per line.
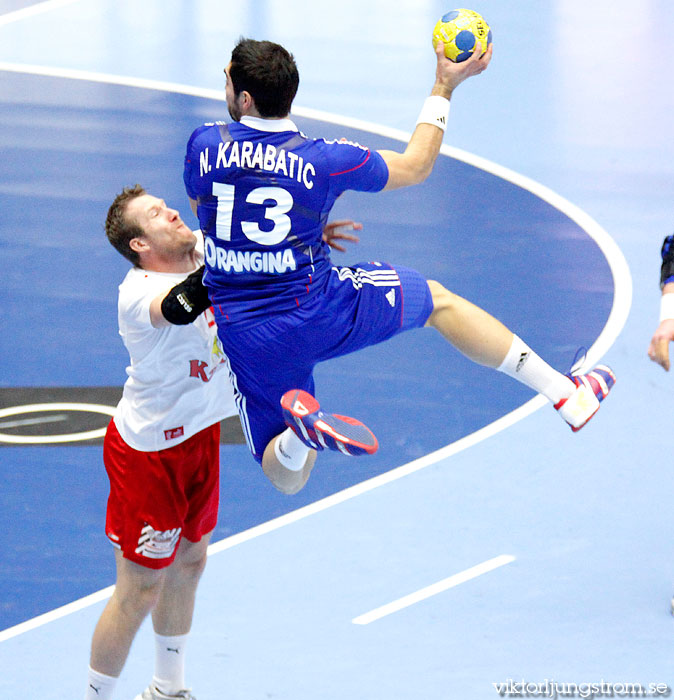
56	614
59	418
34	10
434	589
112	79
617	317
47	439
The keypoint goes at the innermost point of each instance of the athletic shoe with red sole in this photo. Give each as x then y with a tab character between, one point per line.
318	429
591	389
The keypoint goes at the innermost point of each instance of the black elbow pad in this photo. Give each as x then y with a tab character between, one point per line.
186	300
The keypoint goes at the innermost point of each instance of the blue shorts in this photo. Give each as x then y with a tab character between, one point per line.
361	306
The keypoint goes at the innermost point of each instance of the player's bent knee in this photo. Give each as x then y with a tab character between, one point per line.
440	294
190	558
140	597
442	298
190	568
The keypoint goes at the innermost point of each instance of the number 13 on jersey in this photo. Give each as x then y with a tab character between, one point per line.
276	201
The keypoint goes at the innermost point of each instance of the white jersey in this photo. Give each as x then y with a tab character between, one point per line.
178	381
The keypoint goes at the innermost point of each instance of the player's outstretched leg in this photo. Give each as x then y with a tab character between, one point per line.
318	429
485	340
591	389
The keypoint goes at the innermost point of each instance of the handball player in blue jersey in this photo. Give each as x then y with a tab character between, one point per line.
262	192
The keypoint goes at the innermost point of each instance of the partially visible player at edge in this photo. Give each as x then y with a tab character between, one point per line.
262	190
658	350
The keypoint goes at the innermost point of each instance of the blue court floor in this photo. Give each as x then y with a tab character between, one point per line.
484	544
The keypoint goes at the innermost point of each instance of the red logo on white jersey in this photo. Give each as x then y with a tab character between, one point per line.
174	433
198	369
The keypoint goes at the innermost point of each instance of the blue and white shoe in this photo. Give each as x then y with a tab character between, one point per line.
591	389
319	430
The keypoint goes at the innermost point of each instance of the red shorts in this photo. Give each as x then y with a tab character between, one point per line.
158	497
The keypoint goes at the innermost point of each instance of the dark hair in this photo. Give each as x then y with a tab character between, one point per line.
119	228
268	72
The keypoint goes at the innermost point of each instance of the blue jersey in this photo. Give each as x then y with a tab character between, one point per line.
263	198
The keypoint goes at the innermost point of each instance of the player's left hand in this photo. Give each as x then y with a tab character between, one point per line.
335	231
658	350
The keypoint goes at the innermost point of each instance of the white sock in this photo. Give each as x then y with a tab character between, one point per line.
169	666
291	451
523	364
99	686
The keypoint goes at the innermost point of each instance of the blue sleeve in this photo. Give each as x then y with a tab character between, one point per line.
667	267
353	167
190	170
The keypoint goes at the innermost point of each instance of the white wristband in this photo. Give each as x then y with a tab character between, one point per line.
435	111
666	306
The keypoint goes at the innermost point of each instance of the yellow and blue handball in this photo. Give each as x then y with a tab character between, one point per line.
462	31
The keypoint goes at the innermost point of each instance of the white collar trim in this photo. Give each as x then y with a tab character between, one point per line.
269	124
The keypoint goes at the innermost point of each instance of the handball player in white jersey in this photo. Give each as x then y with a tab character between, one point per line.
161	449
